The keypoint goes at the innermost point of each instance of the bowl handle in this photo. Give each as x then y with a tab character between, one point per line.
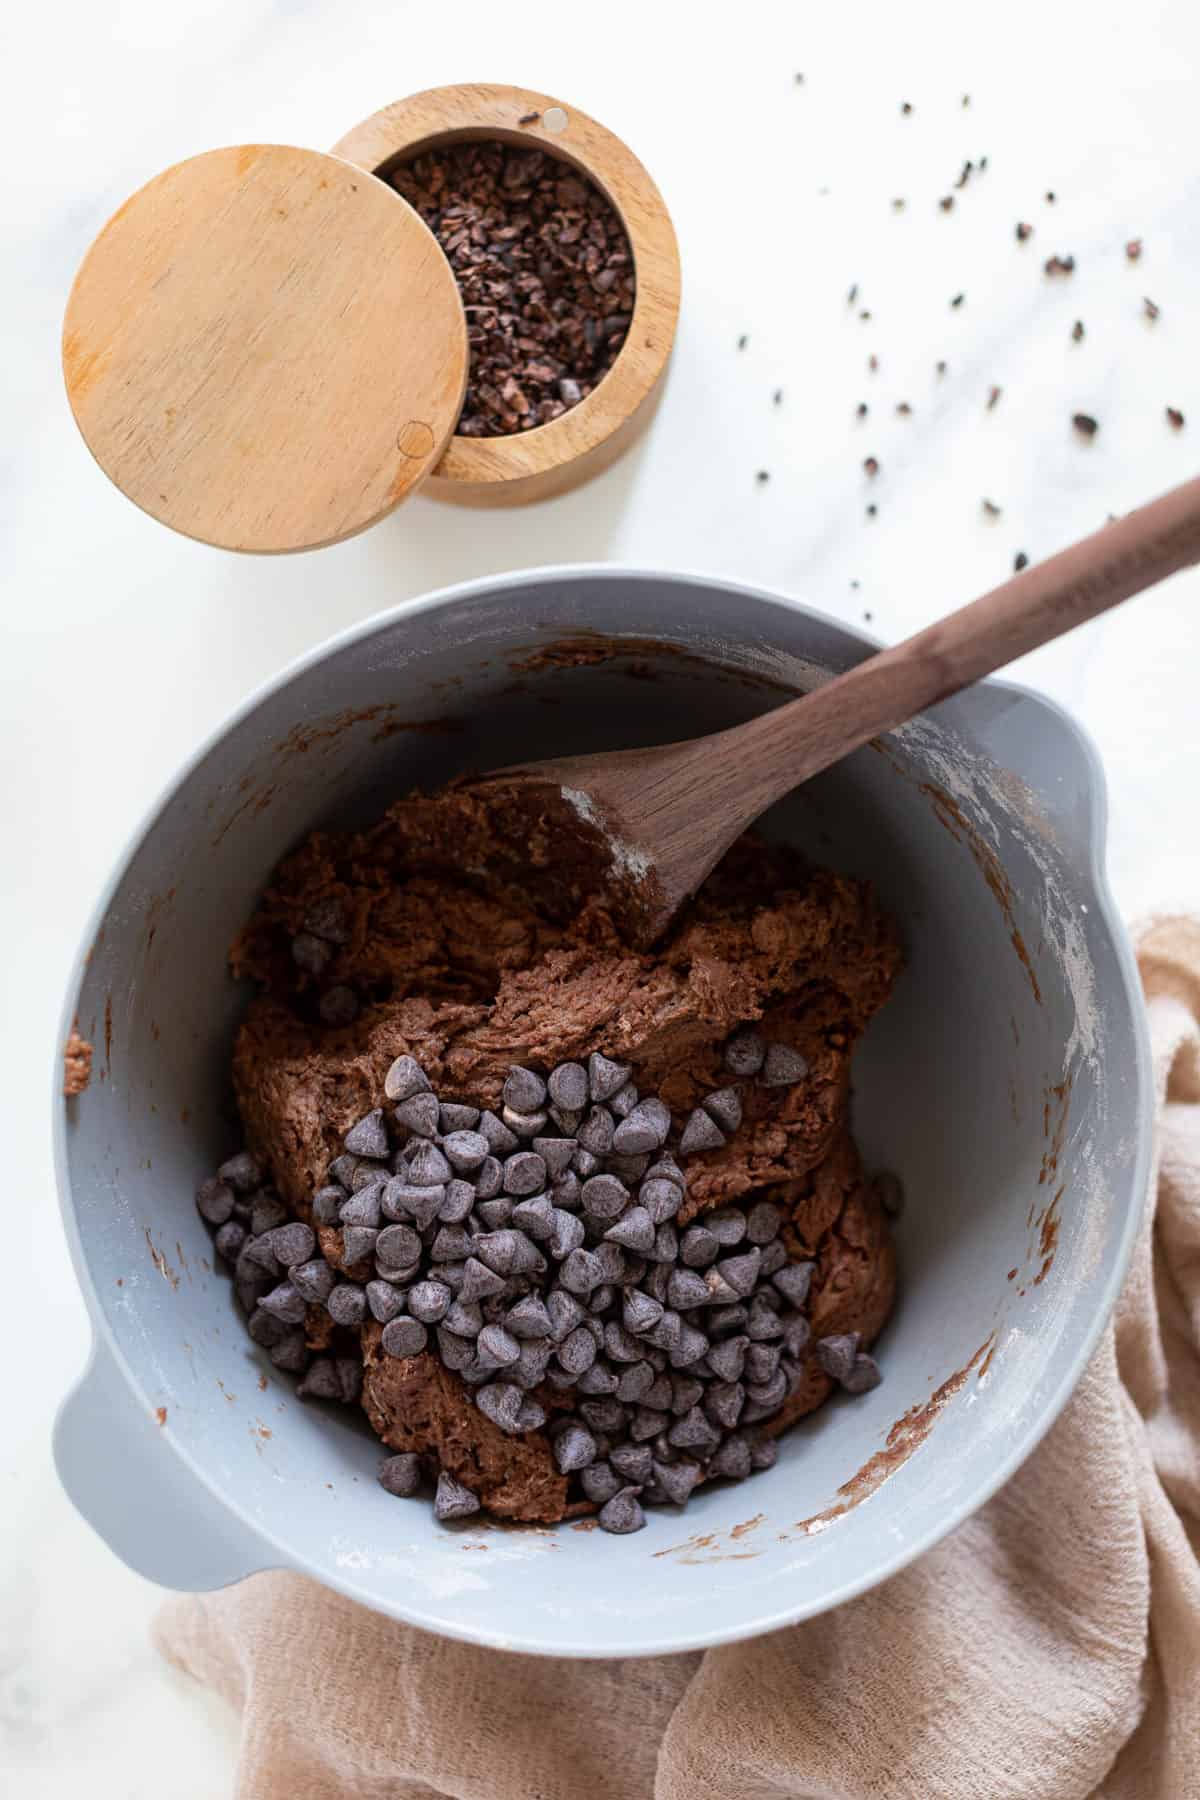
123	1476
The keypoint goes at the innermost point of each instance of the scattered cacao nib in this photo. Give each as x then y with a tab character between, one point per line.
1059	265
966	99
799	80
529	118
1024	231
1077	332
1051	196
982	164
965	174
777	397
545	271
871	465
958	299
762	477
1150	307
1175	418
872	363
1020	561
903	410
940	368
947	202
852	296
872	510
1085	425
743	341
864	314
899	203
991	509
868	616
905	107
994	394
1133	249
860	411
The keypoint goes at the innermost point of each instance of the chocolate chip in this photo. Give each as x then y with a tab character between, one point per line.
762	1363
524	1172
347	1304
567	1235
577	1351
566	1118
763	1222
399	1245
358	1242
666	1244
556	1154
327	1204
698	1247
633	1461
524	1125
676	1479
456	1350
404	1337
230	1239
420	1115
634	1382
836	1354
363	1208
744	1053
732	1460
640	1313
429	1301
723	1403
290	1354
310	953
405	1078
524	1091
727	1359
314	1280
693	1432
584	1164
1085	424
741	1272
863	1375
604	1196
480	1282
535	1217
599	1379
568	1086
457	1203
605	1076
286	1303
700	1133
452	1500
496	1347
599	1483
646	1128
338	1005
267	1213
427	1167
690	1346
622	1514
465	1150
214	1201
797	1335
565	1313
369	1137
783	1066
401	1475
724	1108
529	1318
574	1448
383	1300
623	1101
686	1289
501	1141
767	1395
502	1403
764	1322
595	1135
321	1381
661	1198
794	1282
635	1229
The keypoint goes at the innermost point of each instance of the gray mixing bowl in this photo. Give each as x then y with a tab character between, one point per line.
1007	1080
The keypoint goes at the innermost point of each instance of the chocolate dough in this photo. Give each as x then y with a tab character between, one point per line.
472	946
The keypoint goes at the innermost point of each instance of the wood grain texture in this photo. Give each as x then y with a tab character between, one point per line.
265	349
532	465
676	809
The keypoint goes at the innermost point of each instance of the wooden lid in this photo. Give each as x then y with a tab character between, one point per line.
265	348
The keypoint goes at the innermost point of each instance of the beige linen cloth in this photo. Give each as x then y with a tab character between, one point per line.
1048	1649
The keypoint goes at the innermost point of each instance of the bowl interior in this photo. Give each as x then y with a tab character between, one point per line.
1004	1081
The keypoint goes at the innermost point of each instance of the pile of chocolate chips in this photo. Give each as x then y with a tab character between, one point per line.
538	1248
545	271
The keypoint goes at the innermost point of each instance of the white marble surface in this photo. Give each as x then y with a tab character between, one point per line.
122	645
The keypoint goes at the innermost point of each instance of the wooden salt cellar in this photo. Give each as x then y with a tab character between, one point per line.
532	465
265	347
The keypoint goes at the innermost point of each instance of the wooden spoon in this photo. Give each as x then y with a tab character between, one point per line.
667	815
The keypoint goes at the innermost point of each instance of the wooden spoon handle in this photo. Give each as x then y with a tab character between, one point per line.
776	752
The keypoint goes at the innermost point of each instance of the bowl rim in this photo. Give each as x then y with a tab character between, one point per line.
654	1643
